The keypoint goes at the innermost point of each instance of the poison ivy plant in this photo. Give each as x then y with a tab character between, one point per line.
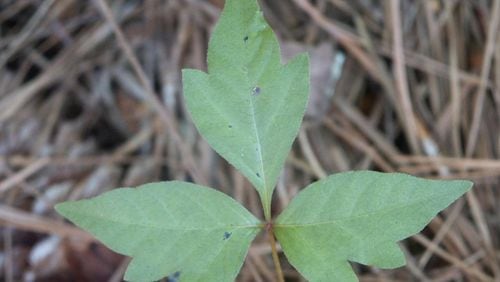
249	108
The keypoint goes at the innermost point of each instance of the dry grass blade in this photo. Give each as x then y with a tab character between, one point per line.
400	75
491	42
26	221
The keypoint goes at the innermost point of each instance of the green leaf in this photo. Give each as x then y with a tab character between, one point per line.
194	232
359	217
249	106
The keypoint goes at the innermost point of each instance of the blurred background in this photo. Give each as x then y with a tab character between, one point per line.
91	99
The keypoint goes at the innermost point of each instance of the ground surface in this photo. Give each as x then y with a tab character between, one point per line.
410	86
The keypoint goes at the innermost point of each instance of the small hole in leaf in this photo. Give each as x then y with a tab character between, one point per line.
245	39
256	91
227	235
174	277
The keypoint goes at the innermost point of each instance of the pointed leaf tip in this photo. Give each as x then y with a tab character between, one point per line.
168	228
249	106
360	217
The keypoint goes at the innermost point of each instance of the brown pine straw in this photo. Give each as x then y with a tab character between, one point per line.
91	99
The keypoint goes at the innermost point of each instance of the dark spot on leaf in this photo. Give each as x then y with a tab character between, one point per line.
227	235
174	277
245	39
230	126
258	175
256	91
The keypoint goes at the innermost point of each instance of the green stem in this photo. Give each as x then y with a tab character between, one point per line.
274	252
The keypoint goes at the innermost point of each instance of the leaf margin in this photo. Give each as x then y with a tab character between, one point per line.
281	234
66	208
224	38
